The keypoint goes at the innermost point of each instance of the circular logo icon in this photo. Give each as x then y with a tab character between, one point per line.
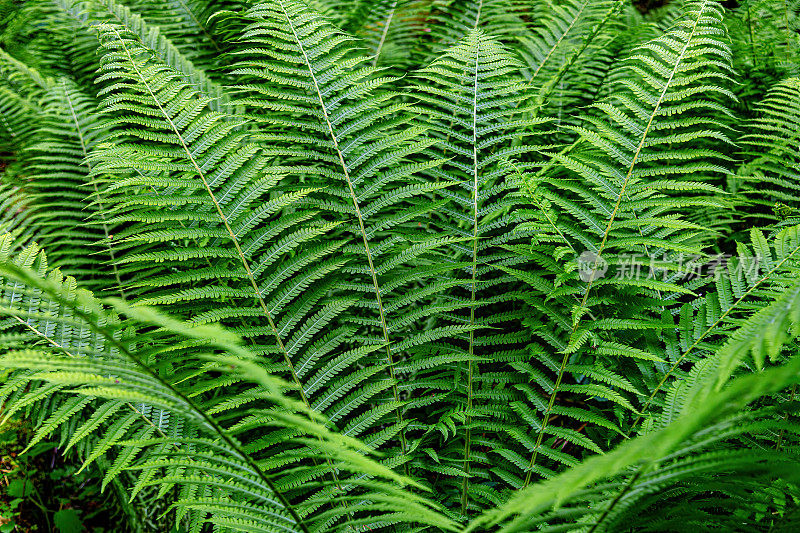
591	266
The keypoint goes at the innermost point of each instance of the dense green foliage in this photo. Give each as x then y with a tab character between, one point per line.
407	265
43	490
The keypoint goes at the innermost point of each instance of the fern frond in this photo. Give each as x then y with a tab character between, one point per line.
358	132
740	288
189	26
470	97
769	177
84	17
604	208
108	357
63	198
602	490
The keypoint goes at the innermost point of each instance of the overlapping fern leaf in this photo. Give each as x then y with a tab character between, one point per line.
561	36
734	287
65	203
770	178
189	26
647	479
79	20
352	137
471	101
133	373
616	199
707	428
209	229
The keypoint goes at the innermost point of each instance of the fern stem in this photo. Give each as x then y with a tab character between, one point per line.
470	364
79	131
606	233
620	495
361	226
200	413
478	15
384	33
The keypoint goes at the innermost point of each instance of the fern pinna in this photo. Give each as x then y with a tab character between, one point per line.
472	265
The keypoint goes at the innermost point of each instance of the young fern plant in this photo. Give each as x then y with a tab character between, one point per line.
469	265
